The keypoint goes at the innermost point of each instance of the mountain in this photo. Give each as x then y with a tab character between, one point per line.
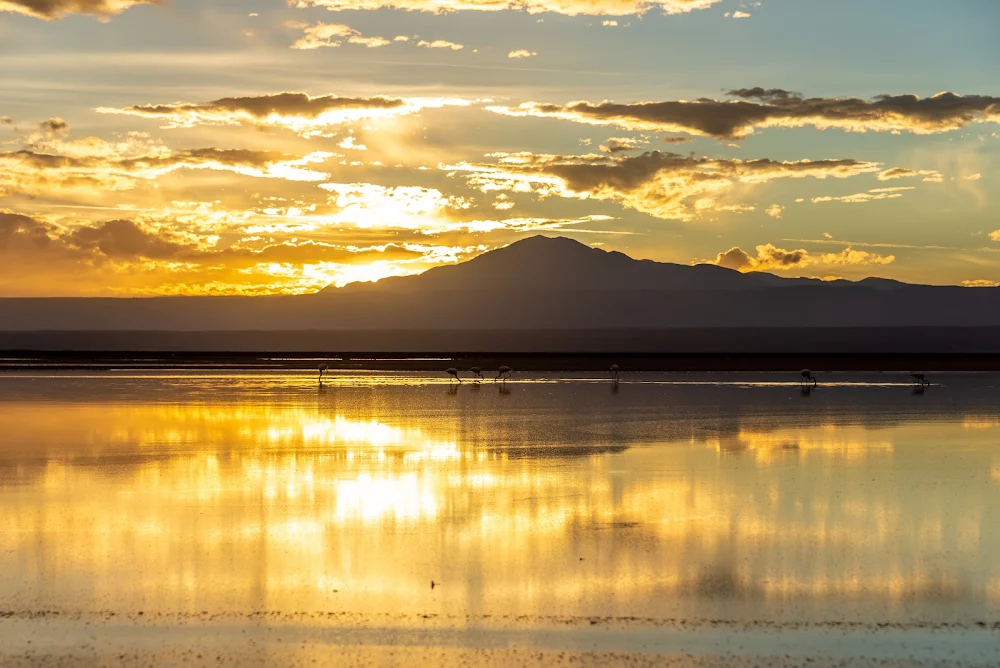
561	264
542	293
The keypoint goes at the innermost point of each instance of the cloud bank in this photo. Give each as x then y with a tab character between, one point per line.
758	108
771	258
299	112
664	185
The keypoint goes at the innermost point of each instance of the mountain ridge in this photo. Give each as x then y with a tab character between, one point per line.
563	264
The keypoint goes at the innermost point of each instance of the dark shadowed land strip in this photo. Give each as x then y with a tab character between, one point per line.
300	639
716	349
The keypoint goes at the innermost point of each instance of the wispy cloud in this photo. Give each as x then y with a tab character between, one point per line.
567	7
298	112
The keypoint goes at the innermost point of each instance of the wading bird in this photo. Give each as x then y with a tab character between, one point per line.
476	371
614	371
503	372
322	370
453	372
807	375
920	378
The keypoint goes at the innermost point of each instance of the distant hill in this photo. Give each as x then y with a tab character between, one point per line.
546	284
561	264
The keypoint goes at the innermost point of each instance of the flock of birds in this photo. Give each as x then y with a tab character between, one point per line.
614	371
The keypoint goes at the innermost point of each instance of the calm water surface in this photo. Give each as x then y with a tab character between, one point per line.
677	496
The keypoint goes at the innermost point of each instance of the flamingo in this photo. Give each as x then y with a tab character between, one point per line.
476	371
920	378
454	373
614	371
807	375
322	370
503	372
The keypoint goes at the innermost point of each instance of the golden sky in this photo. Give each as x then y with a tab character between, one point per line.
279	146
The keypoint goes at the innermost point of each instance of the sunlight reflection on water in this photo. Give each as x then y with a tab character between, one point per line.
731	497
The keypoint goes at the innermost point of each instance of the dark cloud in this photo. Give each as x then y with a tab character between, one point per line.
124	239
665	185
760	108
57	9
6	120
261	107
14	227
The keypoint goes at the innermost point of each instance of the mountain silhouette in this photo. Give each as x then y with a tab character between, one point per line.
541	294
559	263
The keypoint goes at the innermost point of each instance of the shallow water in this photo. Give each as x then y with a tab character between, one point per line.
681	497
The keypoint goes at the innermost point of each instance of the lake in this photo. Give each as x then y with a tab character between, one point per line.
553	513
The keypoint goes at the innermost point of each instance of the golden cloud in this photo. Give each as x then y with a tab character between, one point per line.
758	108
771	258
665	185
567	7
930	175
299	112
57	9
335	34
93	166
872	195
149	255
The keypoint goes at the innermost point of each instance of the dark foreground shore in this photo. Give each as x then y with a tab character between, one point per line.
12	361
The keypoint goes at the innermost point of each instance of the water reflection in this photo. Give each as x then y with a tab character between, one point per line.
550	499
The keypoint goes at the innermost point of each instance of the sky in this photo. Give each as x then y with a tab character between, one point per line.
279	146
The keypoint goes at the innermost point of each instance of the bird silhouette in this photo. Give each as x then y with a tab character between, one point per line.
614	371
807	375
920	378
322	370
453	372
476	371
503	372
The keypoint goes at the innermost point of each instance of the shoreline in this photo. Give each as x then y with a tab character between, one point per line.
292	639
28	361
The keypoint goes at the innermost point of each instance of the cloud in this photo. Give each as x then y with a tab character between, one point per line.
333	35
930	175
872	195
621	145
758	108
775	211
520	54
566	7
771	258
973	177
737	15
154	255
6	120
995	235
441	44
93	167
664	185
57	9
17	230
301	113
125	239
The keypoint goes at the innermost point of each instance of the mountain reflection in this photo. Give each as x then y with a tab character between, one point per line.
356	500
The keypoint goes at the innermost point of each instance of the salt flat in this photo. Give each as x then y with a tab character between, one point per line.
694	519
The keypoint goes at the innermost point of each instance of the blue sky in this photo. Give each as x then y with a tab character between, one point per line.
124	197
